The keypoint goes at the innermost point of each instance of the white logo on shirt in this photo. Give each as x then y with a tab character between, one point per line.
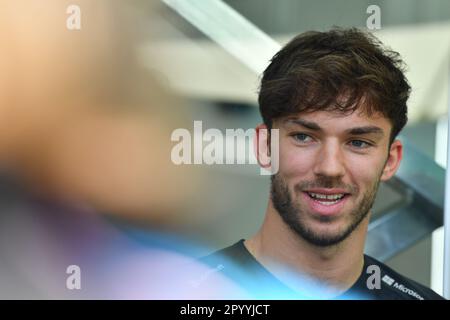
388	280
396	285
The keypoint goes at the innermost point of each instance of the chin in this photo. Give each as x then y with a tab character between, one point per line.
328	232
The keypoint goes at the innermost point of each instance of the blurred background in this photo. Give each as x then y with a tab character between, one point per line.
87	114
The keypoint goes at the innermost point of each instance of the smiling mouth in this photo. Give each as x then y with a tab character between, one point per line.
327	199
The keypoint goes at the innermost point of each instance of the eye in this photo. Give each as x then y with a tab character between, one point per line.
359	144
302	137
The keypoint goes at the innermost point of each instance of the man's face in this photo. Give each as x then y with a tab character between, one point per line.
330	166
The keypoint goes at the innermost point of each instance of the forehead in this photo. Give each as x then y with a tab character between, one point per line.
337	121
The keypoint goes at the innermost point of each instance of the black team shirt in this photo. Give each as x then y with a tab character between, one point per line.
236	263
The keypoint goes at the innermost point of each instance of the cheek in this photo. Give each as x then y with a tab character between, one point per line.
295	161
364	171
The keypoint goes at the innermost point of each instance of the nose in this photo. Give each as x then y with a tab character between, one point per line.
330	160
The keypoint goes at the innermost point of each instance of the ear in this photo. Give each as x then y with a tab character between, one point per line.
261	146
393	161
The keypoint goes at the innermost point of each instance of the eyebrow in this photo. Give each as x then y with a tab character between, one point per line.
366	130
307	124
353	131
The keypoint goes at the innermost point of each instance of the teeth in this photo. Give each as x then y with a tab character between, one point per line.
327	197
328	203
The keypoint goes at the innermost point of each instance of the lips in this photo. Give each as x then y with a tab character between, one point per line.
326	201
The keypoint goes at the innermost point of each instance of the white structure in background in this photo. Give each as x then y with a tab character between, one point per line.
437	240
230	30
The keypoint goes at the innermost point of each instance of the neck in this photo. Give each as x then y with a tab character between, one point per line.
331	270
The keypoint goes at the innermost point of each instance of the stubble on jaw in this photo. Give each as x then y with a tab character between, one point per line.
292	214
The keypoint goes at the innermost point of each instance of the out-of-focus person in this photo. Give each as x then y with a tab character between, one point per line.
84	153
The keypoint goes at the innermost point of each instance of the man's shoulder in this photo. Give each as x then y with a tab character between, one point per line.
233	261
237	263
233	254
397	286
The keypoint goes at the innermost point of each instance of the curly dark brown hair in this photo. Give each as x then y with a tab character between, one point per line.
339	70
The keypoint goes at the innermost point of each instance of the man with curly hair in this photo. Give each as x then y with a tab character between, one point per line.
339	100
